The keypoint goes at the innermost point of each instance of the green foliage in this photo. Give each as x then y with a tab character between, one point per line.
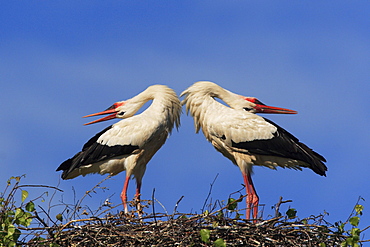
205	236
219	243
11	216
59	217
18	213
354	233
291	213
232	204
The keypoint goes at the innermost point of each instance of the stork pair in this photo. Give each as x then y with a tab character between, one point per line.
235	131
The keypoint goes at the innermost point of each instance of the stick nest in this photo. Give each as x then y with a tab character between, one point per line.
184	230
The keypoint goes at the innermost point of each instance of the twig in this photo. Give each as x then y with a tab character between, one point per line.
47	215
155	219
209	193
277	207
50	231
162	206
354	208
176	205
240	198
77	206
35	185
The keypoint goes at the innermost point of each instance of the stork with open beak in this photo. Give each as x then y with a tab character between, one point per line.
129	144
246	138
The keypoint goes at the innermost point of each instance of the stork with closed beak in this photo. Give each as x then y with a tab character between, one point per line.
246	138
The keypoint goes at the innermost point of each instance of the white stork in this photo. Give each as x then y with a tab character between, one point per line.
129	144
246	138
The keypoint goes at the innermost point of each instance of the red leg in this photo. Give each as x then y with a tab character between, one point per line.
255	199
137	197
252	199
138	189
124	194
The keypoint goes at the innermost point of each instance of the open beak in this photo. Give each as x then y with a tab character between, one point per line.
111	110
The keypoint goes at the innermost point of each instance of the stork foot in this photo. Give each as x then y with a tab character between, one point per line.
137	204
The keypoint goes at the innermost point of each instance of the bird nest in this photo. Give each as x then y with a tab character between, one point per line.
219	224
191	230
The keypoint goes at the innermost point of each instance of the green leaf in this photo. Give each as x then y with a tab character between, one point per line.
322	245
26	219
24	195
205	234
11	230
355	232
30	207
219	243
291	213
16	234
232	204
354	220
59	217
349	241
220	214
340	226
18	213
359	209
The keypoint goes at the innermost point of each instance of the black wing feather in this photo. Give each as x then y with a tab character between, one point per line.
284	144
93	152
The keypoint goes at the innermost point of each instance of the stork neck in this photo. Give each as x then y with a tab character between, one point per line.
224	95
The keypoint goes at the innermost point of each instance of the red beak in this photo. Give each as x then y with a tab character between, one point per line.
112	109
262	108
272	109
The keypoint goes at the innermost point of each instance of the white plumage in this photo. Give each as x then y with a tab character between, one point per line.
245	138
129	144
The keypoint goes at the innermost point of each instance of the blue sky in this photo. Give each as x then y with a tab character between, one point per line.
61	60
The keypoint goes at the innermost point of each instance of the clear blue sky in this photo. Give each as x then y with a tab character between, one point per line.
60	60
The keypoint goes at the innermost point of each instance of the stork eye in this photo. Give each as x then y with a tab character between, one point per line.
121	113
248	109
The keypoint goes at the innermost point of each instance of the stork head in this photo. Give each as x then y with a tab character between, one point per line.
253	105
117	110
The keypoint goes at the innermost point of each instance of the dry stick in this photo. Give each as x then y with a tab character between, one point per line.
52	197
47	215
277	207
209	193
12	192
176	205
44	186
50	231
162	206
365	229
109	209
86	193
155	219
354	208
